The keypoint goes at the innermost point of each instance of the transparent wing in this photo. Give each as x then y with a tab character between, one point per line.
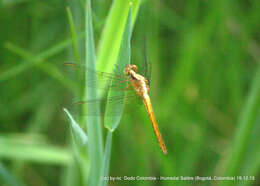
130	97
103	79
147	65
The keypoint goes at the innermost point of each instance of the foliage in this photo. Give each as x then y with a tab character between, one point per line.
205	91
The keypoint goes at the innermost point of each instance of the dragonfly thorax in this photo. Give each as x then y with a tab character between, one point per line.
138	82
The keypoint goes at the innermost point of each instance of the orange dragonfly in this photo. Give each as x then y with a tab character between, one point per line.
130	80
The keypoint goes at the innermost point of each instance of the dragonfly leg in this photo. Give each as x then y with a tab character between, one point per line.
128	87
122	81
125	89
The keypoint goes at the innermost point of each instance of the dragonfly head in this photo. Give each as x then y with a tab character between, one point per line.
130	67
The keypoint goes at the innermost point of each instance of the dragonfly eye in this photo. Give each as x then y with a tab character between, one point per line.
128	68
134	68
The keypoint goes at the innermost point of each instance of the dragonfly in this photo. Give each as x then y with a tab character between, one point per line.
129	80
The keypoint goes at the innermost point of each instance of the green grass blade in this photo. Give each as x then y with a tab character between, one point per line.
112	34
79	72
93	122
16	70
79	144
107	155
244	130
73	37
48	68
7	178
111	122
79	136
40	153
251	164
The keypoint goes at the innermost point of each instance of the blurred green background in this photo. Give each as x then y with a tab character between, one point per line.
205	91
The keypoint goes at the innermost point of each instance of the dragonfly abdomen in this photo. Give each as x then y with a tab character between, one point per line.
149	108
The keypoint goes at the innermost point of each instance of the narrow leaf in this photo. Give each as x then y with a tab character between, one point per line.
111	122
76	54
95	147
107	155
73	36
41	153
111	38
46	67
244	131
7	178
23	66
79	136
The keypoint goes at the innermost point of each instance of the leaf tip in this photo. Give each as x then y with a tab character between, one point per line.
65	110
110	129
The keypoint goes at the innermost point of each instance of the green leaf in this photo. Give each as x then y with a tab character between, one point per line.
38	59
112	121
95	147
8	178
46	67
79	136
21	150
107	155
111	38
244	131
251	163
74	38
79	144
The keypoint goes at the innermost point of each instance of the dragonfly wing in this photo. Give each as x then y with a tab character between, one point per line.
147	65
101	103
103	79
